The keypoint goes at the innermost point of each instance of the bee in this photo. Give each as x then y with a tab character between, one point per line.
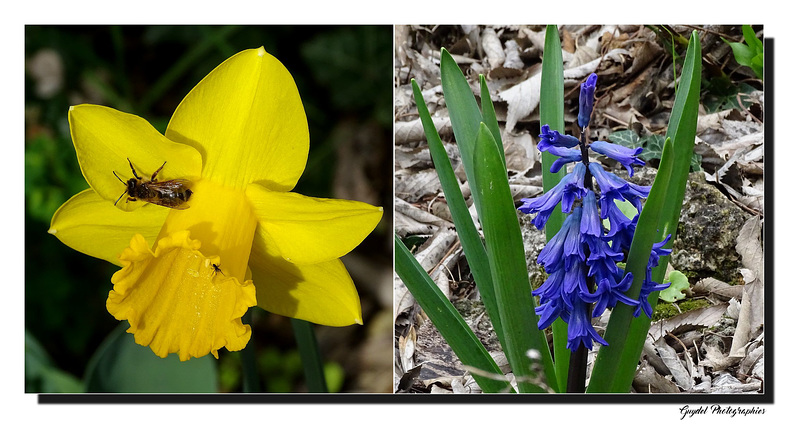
172	194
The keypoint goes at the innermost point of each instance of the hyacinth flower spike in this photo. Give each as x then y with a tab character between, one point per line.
581	259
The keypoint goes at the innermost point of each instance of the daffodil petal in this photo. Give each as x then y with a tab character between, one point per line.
89	224
321	293
106	138
177	301
310	230
247	119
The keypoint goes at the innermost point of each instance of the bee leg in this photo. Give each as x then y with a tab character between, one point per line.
120	179
120	196
133	170
153	178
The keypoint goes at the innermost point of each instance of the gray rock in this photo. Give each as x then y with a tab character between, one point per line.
705	245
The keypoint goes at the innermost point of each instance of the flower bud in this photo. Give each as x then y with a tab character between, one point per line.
586	101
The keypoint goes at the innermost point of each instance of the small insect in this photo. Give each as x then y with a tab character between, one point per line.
173	194
217	269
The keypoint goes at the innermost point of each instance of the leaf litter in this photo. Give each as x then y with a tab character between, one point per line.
717	347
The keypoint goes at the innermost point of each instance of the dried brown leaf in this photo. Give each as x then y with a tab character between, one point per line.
410	219
741	336
711	121
715	286
412	131
647	380
433	251
406	345
403	300
492	48
753	363
643	54
676	368
651	355
521	153
748	245
522	99
417	185
512	50
716	359
703	317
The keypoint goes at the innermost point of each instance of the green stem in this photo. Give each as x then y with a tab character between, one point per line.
250	380
310	356
576	378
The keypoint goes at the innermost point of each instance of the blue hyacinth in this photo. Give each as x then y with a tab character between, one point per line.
581	259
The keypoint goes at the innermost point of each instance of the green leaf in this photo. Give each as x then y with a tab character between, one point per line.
551	112
465	116
465	227
627	138
121	366
450	324
490	119
757	64
616	364
750	53
653	146
751	39
678	283
728	96
310	356
41	376
742	53
509	268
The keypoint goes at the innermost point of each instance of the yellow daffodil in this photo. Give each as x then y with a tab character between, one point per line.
238	144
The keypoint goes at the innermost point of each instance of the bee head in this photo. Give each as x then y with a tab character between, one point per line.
132	183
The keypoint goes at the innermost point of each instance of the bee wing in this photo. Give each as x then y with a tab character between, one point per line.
173	204
173	187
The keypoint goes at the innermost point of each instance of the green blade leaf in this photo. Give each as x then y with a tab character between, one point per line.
465	227
310	356
490	119
551	112
464	114
447	320
509	268
616	364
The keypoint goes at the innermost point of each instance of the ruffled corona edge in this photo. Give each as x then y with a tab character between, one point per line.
179	301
